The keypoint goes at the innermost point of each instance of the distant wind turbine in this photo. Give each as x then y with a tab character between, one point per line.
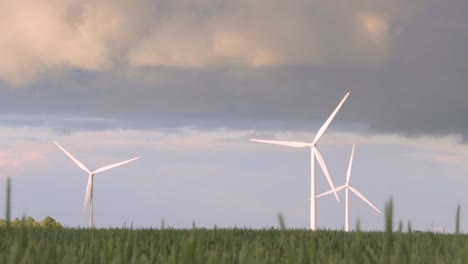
348	187
315	154
89	187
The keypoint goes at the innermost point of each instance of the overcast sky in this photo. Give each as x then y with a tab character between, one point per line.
184	85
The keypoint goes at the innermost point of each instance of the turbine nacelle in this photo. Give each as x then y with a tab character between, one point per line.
314	152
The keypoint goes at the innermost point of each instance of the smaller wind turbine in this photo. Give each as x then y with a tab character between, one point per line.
348	187
89	188
314	156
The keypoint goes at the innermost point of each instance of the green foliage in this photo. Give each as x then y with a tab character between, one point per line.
49	222
62	245
457	220
8	201
358	224
28	241
29	222
388	236
281	221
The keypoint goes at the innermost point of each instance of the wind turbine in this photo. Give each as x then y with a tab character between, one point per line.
315	155
89	187
347	188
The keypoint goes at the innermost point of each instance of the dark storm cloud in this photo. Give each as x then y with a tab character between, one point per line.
421	88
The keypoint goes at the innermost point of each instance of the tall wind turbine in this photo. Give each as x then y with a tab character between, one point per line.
315	155
89	187
347	188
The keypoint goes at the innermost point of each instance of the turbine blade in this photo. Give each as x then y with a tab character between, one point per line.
108	167
363	198
348	175
331	191
330	118
77	162
87	194
294	144
325	171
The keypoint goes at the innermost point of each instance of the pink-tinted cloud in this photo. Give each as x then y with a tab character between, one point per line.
19	158
17	161
8	161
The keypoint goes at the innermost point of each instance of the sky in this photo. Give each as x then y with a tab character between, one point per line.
184	84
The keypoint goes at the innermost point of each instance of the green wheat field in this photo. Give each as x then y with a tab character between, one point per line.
28	241
56	245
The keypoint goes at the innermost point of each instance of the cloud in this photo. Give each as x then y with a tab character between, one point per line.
45	36
244	64
32	145
229	64
6	160
375	26
48	34
21	154
260	33
445	150
11	160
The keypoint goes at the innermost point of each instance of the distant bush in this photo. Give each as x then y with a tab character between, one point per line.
48	222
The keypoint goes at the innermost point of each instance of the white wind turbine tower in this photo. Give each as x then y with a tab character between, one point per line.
89	187
348	187
315	154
